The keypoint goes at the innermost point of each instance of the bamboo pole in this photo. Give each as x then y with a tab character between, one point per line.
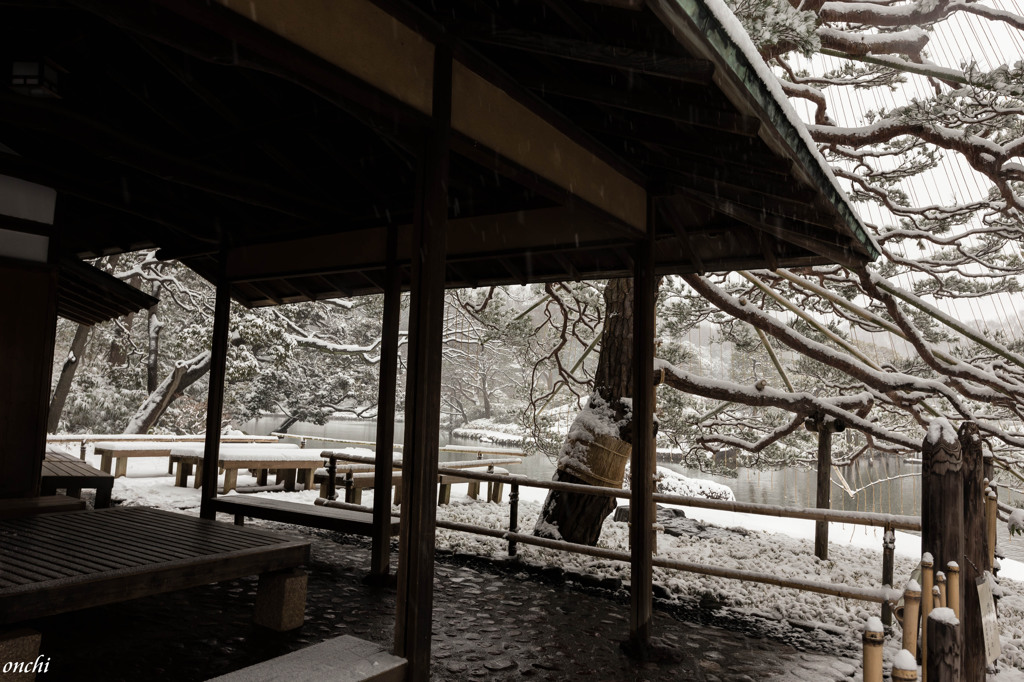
911	614
775	359
874	636
991	518
904	667
940	585
953	587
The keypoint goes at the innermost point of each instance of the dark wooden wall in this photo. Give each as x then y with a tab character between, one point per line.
28	318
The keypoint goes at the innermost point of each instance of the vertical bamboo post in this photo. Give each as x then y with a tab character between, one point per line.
991	509
874	636
940	584
927	583
953	587
904	667
888	562
943	662
911	612
936	601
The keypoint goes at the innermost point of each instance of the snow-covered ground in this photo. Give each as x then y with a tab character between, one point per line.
765	544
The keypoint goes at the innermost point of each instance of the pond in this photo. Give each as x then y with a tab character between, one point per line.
882	483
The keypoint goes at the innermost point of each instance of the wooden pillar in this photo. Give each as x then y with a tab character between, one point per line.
28	322
975	553
943	663
215	400
942	496
823	426
888	561
423	386
642	464
380	554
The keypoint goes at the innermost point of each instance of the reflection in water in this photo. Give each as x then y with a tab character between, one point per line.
879	483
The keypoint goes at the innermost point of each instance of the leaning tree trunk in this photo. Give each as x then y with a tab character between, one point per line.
578	517
67	375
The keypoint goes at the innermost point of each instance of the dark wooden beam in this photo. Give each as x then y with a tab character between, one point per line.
642	462
413	621
686	70
215	399
678	226
830	245
380	553
650	103
570	269
511	269
756	197
98	139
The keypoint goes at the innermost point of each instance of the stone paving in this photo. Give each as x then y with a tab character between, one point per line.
491	623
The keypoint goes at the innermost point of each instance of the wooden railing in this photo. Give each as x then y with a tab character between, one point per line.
891	522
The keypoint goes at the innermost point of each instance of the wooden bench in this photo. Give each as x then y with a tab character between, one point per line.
84	439
342	659
54	563
300	514
120	452
292	466
355	480
64	471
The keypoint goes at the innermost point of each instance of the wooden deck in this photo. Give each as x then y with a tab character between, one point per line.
56	563
65	471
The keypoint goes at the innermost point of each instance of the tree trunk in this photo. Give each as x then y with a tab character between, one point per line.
154	325
576	517
184	374
67	375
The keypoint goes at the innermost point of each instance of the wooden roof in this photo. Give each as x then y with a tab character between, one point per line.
282	141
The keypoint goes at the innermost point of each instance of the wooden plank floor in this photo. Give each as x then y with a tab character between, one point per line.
63	562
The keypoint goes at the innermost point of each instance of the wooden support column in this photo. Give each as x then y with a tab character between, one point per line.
423	386
28	322
942	498
975	553
824	427
642	464
215	400
380	554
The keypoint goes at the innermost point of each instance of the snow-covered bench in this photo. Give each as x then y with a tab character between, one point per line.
119	451
291	464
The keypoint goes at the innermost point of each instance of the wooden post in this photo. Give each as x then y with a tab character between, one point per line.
927	583
642	464
874	636
513	515
888	563
380	554
911	615
824	427
943	662
942	495
423	390
976	543
215	395
953	587
28	323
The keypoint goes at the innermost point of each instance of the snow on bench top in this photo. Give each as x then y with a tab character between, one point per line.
124	446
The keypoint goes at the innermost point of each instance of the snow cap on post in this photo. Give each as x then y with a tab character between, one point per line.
942	446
